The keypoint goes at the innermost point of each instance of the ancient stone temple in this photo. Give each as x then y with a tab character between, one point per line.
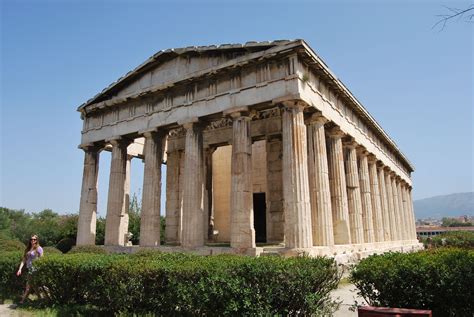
265	151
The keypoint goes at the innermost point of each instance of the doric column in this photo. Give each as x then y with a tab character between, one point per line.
353	193
407	213
396	207
412	213
242	232
174	197
401	210
117	203
208	194
151	197
276	225
384	203
367	215
391	205
298	231
337	181
193	208
375	195
86	225
320	193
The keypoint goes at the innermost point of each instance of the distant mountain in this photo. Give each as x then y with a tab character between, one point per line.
437	207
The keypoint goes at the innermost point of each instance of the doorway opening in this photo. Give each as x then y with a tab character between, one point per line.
259	217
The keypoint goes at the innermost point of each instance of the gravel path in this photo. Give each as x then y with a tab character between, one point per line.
348	295
9	310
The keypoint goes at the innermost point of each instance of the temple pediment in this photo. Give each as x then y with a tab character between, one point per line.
167	67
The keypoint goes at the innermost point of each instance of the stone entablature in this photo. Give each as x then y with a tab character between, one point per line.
330	174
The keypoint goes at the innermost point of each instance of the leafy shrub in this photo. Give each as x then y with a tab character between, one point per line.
460	239
184	284
88	249
51	250
438	279
66	244
11	286
11	245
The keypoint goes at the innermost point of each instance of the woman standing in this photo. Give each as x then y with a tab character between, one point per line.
32	252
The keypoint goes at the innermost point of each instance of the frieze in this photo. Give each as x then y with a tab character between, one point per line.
178	132
267	113
219	124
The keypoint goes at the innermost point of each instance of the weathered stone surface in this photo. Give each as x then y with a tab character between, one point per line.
318	172
86	227
337	181
367	215
174	196
353	193
298	231
275	223
117	203
376	203
315	201
151	197
242	229
384	204
193	204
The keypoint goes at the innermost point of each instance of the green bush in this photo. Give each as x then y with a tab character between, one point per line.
184	284
11	245
88	249
460	239
66	244
51	250
438	279
11	286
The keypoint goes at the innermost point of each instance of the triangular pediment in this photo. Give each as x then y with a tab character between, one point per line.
174	64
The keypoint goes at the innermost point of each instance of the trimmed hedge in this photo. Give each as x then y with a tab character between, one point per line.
11	286
184	284
441	280
95	249
460	239
7	245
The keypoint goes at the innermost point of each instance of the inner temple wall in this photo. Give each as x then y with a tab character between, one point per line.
221	184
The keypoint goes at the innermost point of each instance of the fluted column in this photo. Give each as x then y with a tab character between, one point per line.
242	232
353	193
298	231
401	210
320	194
396	208
391	205
151	197
86	225
174	197
337	181
193	208
367	214
412	213
407	211
117	206
384	203
376	204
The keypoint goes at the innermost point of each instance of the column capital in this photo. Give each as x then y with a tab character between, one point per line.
335	133
316	118
237	112
362	151
350	143
91	147
380	165
372	158
153	133
119	141
189	123
294	104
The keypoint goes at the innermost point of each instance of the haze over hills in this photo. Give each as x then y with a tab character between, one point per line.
453	205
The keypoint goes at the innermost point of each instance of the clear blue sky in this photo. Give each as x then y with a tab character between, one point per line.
417	82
